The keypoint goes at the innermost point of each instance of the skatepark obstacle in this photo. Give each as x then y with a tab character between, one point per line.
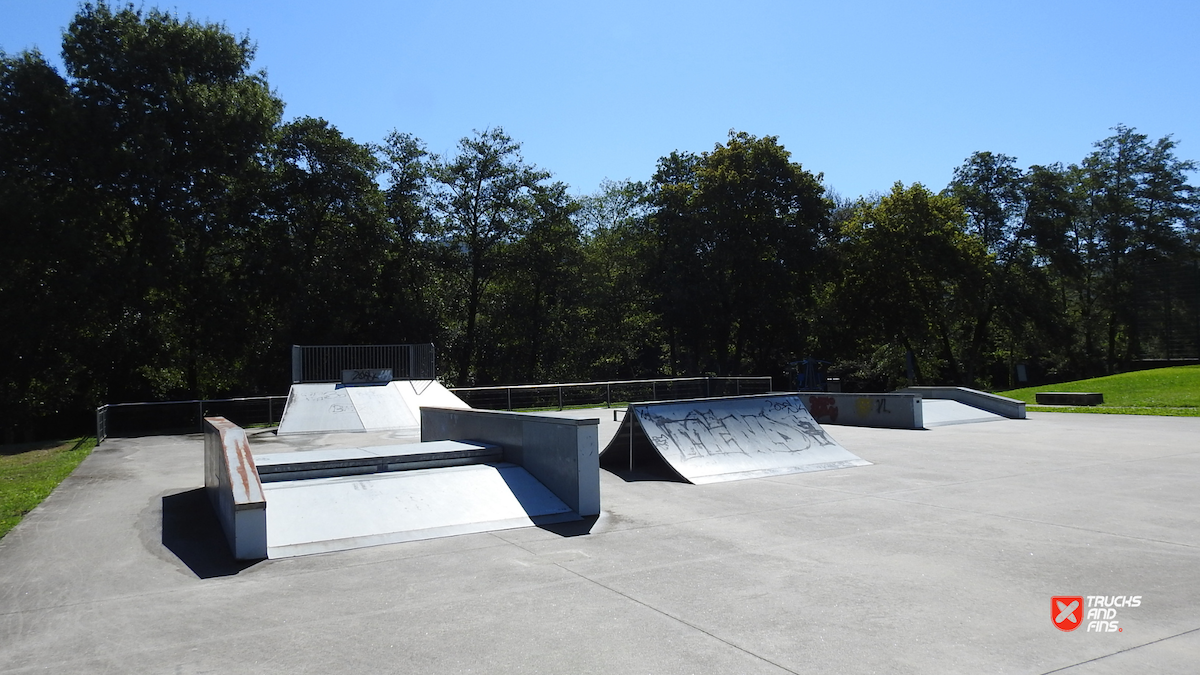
518	470
721	439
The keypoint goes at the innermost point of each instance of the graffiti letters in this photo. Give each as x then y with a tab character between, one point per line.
823	408
772	427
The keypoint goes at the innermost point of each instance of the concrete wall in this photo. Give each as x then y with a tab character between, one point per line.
232	484
563	454
993	403
891	411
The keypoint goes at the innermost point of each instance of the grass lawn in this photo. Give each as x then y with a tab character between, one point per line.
1162	391
29	471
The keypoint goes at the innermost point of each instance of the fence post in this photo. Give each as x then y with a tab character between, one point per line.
101	423
608	395
508	392
560	399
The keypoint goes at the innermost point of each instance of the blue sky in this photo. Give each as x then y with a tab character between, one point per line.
866	92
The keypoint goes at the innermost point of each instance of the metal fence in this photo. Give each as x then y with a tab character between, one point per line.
542	396
184	417
325	363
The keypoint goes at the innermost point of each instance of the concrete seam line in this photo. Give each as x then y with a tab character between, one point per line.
1018	475
1041	522
679	620
1122	651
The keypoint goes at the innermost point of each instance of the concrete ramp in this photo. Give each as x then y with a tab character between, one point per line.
722	439
381	407
326	407
319	408
347	512
943	412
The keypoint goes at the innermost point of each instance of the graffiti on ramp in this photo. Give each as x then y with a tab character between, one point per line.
711	440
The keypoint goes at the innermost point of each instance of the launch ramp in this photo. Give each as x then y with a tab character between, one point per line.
721	439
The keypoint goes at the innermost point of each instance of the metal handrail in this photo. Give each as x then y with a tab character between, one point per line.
560	388
325	363
102	412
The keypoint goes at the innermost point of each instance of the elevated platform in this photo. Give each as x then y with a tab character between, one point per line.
722	439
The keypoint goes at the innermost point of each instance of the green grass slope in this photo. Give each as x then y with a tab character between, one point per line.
30	471
1162	391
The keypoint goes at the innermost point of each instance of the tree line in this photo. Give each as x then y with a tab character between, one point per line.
165	233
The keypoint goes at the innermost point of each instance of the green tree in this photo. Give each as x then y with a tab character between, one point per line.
535	316
327	239
483	199
912	275
413	300
1139	210
51	250
740	231
622	333
989	188
126	189
175	121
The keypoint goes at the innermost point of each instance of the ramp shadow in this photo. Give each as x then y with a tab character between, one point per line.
539	504
648	465
192	532
658	472
570	528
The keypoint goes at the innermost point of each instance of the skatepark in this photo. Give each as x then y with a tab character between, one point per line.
939	552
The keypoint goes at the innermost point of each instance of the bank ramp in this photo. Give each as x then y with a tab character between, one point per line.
327	407
722	439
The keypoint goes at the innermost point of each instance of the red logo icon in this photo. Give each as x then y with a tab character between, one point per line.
1066	611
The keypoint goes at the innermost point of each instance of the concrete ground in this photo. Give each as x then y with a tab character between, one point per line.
941	557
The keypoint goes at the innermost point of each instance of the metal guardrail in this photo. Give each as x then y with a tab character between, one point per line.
325	363
534	396
184	417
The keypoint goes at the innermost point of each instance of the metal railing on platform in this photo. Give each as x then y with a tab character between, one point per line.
184	417
573	394
325	363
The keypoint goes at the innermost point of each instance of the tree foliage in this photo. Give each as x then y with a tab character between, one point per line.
739	233
164	233
913	275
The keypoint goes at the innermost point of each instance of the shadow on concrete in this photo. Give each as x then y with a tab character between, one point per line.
660	472
570	528
192	532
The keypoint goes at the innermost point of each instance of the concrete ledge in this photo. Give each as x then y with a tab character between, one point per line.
562	453
993	403
234	490
1068	398
889	411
